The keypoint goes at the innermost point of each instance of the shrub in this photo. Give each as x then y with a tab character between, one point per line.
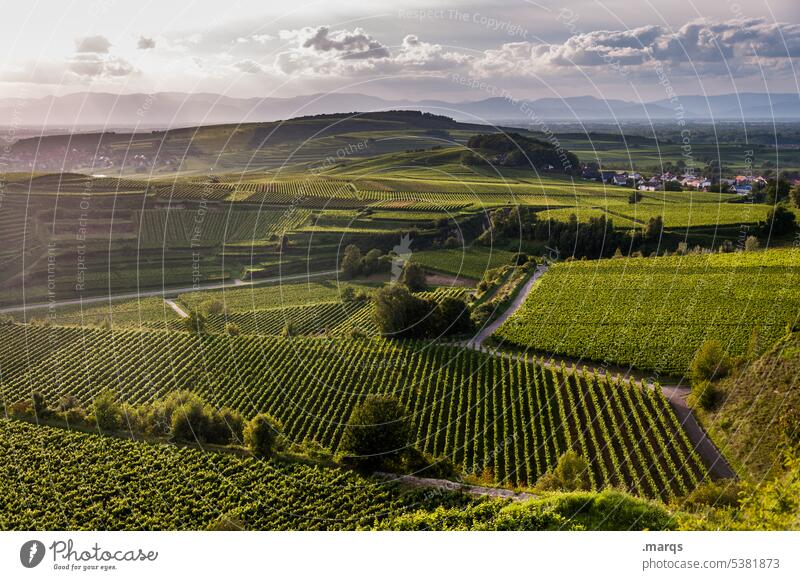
232	329
454	316
376	435
710	362
751	244
570	474
714	494
226	426
107	412
705	395
39	405
212	307
451	242
196	322
262	434
191	421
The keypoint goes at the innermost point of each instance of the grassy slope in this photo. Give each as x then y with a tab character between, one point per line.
759	407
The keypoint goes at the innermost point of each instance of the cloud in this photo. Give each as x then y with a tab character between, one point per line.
256	38
97	44
92	66
145	43
699	44
249	66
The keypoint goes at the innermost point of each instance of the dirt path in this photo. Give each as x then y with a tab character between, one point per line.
178	310
447	485
487	331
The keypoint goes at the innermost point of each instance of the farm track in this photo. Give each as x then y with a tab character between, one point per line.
676	395
454	486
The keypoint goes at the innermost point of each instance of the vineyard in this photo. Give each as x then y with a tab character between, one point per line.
86	482
184	227
654	313
329	318
503	419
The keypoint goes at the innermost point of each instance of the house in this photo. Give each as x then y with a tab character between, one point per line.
620	179
744	189
607	176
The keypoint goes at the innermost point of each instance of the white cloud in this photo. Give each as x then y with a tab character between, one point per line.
97	44
249	66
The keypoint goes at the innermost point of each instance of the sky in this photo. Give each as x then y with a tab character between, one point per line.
452	50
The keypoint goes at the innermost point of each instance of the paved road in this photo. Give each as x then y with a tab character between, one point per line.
163	292
488	330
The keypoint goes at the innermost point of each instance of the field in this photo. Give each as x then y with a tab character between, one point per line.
470	263
654	313
504	420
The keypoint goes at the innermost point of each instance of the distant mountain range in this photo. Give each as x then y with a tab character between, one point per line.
181	109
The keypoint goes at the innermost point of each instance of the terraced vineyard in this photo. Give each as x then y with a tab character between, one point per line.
505	419
184	227
88	482
654	313
150	313
469	263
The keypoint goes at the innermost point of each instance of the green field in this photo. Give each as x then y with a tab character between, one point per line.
470	263
87	482
654	313
505	420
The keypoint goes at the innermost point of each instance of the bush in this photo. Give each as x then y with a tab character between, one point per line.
520	258
376	435
262	434
227	426
714	494
232	329
570	474
454	317
212	307
107	412
709	363
191	421
705	395
779	221
39	405
451	242
751	244
413	277
196	322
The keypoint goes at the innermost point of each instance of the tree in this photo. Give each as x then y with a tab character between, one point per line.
191	421
413	277
655	225
351	261
262	433
399	313
779	221
751	244
196	322
709	363
107	411
635	197
372	261
794	195
454	316
570	474
377	434
776	190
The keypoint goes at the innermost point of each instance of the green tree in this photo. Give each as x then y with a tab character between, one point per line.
372	261
454	317
710	362
780	221
399	313
351	261
196	322
413	277
107	411
655	225
794	195
377	434
262	434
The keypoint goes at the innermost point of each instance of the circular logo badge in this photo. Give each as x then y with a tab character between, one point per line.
31	553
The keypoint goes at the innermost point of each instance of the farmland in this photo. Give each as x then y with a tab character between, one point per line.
85	482
505	420
654	313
